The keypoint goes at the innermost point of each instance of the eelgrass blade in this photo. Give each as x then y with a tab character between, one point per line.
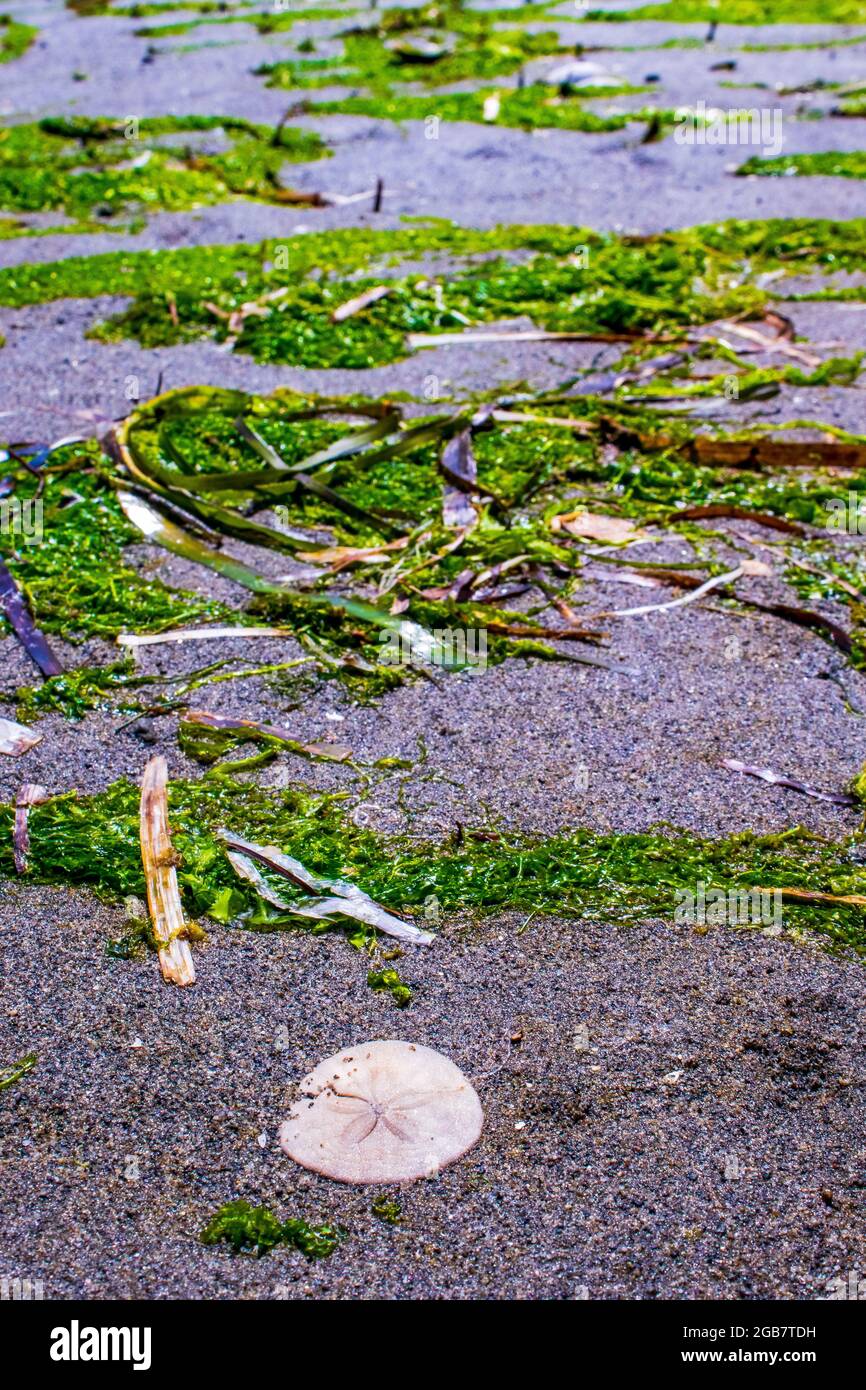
332	896
33	641
425	646
170	536
310	484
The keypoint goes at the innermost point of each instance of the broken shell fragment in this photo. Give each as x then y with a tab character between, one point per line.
16	739
382	1112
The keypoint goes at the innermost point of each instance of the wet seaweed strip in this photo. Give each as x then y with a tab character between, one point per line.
642	286
622	877
98	171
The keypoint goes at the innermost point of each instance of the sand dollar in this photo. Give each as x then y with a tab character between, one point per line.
382	1112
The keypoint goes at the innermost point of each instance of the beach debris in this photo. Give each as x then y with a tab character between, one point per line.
491	108
422	47
16	739
616	530
29	794
764	344
382	1112
775	453
340	557
458	513
638	581
800	617
779	779
457	462
576	72
175	539
17	1070
333	898
725	509
539	335
804	617
808	897
198	634
360	303
309	483
249	728
158	859
17	614
697	593
158	529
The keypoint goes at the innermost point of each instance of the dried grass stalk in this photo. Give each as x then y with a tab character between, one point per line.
163	896
30	794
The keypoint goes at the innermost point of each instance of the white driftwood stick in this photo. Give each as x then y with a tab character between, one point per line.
163	896
197	634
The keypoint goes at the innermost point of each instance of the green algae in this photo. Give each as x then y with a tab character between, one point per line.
73	693
755	12
481	53
253	1230
389	982
76	580
15	38
527	469
843	165
578	281
526	108
387	1209
578	873
98	171
267	21
10	1076
835	371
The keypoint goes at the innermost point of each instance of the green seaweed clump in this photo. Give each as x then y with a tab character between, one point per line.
97	170
73	693
577	873
527	108
284	292
386	1209
388	981
849	164
77	582
370	62
15	38
253	1230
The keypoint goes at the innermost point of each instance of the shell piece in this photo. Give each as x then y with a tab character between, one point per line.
16	739
382	1112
